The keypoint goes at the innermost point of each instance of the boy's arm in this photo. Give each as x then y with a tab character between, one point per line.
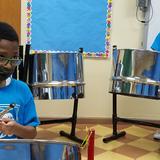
10	127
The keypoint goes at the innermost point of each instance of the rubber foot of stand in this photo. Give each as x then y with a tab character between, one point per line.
114	136
71	137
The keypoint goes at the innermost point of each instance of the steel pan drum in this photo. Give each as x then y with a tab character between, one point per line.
136	72
19	149
56	75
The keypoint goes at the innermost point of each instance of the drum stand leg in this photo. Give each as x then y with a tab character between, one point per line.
115	134
115	119
73	121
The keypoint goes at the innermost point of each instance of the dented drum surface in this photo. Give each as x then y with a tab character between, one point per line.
136	72
56	75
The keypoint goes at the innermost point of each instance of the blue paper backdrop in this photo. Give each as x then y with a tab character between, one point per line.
66	25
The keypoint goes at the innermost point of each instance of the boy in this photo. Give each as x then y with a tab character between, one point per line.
18	118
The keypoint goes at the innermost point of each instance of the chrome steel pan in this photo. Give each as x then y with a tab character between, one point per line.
56	75
20	149
136	72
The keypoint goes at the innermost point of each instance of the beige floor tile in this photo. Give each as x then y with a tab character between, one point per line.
130	151
58	128
150	156
44	134
64	139
112	156
138	131
101	130
107	146
127	138
146	144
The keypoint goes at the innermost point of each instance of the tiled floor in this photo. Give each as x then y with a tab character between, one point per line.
138	143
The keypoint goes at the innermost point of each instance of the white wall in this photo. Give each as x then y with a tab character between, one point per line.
127	32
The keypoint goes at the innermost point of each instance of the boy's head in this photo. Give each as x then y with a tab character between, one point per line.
7	32
9	50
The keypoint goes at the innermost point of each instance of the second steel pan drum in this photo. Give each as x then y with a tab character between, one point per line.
56	75
20	149
136	72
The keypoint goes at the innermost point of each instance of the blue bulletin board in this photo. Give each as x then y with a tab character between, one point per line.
67	25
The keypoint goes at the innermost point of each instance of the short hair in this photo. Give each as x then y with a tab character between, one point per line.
7	32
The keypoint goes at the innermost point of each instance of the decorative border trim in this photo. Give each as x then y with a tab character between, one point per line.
86	54
29	13
108	28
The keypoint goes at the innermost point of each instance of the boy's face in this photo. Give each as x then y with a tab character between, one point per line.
9	51
8	48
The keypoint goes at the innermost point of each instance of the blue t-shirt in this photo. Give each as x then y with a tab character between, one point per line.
155	72
156	68
24	112
156	43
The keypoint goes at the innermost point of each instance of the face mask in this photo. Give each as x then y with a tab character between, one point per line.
5	73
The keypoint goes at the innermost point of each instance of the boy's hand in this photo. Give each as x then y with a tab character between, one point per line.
7	126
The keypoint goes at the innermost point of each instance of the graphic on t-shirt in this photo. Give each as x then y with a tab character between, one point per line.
12	114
